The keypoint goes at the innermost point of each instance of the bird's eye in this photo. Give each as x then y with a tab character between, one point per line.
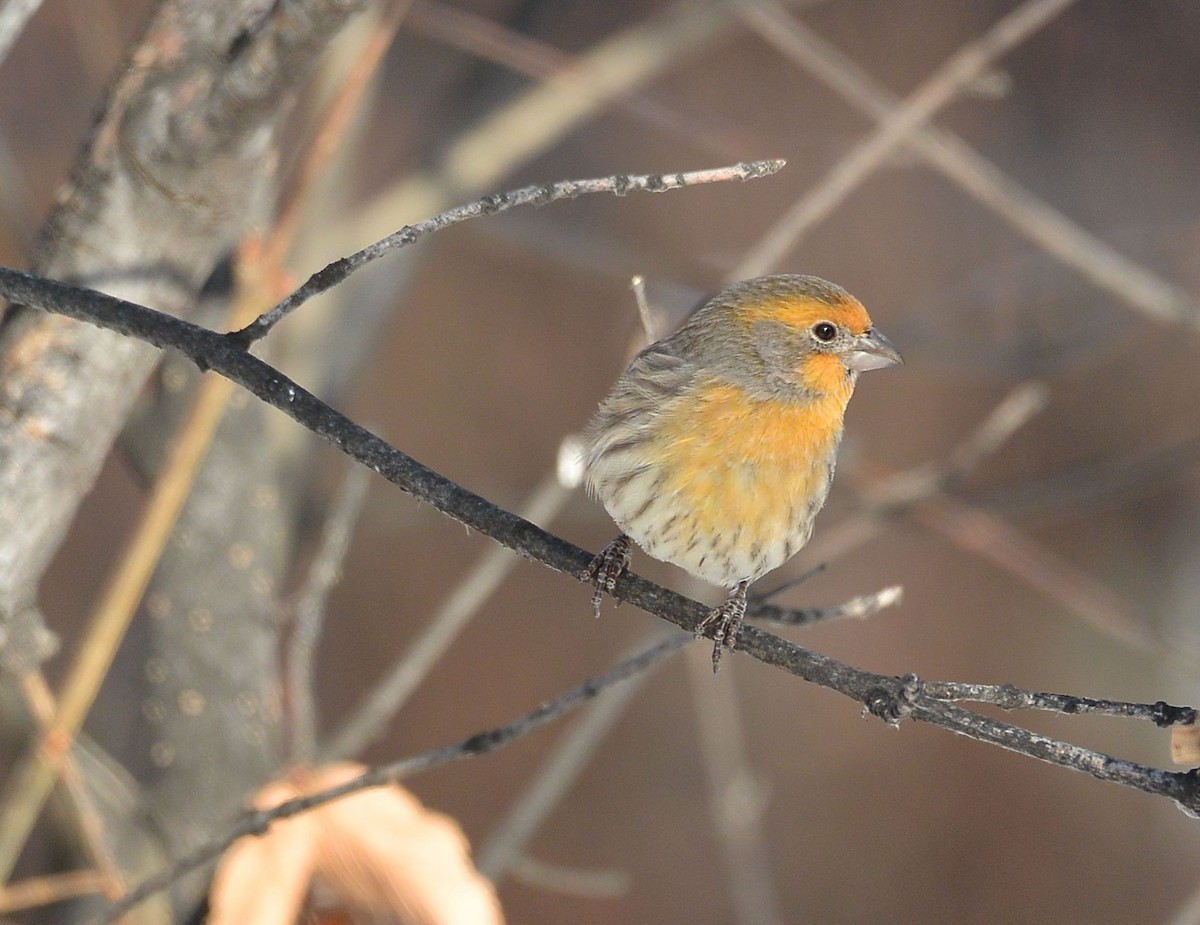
825	331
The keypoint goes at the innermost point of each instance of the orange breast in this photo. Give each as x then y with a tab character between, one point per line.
754	467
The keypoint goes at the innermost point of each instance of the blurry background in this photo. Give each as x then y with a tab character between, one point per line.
1065	561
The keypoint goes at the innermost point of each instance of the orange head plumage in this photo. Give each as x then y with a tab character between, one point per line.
791	335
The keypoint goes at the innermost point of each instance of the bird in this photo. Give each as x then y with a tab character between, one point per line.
715	450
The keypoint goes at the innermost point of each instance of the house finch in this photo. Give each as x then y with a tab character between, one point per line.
715	449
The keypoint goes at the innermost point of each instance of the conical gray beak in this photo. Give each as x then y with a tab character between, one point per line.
871	351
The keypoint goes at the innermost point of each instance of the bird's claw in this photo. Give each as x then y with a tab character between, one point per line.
726	621
604	570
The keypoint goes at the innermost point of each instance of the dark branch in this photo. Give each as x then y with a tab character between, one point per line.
1008	697
888	698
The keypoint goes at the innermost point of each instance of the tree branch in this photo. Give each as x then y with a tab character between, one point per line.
1008	697
539	195
885	697
889	698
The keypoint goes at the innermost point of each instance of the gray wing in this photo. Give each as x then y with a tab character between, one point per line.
656	378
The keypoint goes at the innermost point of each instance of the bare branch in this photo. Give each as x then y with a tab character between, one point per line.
332	132
506	845
1009	697
662	38
995	540
894	494
859	608
1094	485
919	493
540	195
533	121
650	325
1017	409
761	597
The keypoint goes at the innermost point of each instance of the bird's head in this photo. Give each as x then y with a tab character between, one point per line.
803	333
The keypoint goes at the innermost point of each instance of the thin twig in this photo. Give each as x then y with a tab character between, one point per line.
54	888
508	843
152	231
33	779
257	822
516	131
1093	485
651	329
852	169
498	44
539	195
585	884
1009	697
310	606
858	608
761	597
310	609
892	494
1106	268
1016	409
891	699
91	826
505	849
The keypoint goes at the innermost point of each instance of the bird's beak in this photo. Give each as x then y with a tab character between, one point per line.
871	351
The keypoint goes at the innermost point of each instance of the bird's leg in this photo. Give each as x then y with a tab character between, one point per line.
727	620
604	570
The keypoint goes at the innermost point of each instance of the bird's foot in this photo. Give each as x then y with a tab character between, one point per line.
726	621
604	570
